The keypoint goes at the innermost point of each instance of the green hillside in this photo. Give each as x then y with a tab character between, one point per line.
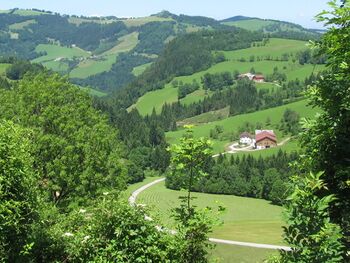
87	48
265	25
230	125
246	219
104	62
274	49
250	24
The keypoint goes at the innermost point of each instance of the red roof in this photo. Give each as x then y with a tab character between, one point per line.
265	135
258	77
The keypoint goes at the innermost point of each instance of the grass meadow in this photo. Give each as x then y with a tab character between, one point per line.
104	62
245	219
140	69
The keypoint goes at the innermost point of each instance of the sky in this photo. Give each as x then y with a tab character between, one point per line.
298	11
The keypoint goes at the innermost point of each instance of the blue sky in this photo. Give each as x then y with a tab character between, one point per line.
298	11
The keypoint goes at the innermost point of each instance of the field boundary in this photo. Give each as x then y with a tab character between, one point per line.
132	201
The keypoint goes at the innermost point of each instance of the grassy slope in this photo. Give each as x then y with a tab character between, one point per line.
207	117
105	61
221	252
55	51
228	254
250	24
231	124
140	69
245	219
19	26
275	48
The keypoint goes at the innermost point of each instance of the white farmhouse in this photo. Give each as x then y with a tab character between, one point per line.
246	138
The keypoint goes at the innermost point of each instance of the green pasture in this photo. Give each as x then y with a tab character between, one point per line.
236	254
230	125
245	219
207	117
104	62
94	92
137	71
267	85
54	52
222	253
22	25
125	43
275	48
156	99
250	24
3	67
58	66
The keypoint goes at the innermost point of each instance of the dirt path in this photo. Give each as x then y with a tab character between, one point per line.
132	201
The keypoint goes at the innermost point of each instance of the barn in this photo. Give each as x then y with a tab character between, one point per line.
265	139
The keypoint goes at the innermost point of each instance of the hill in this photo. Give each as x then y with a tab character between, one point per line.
103	52
280	53
266	25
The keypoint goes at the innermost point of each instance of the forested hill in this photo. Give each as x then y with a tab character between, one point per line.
104	52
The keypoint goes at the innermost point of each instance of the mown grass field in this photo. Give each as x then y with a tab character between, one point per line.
236	254
230	125
222	253
104	62
55	51
245	219
275	48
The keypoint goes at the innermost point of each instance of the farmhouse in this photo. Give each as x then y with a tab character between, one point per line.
265	139
259	78
253	77
248	75
246	138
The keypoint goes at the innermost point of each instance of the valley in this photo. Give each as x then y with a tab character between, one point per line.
151	138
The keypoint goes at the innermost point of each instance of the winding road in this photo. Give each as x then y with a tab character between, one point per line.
132	201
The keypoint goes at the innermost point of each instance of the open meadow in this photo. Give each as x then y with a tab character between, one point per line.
245	219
